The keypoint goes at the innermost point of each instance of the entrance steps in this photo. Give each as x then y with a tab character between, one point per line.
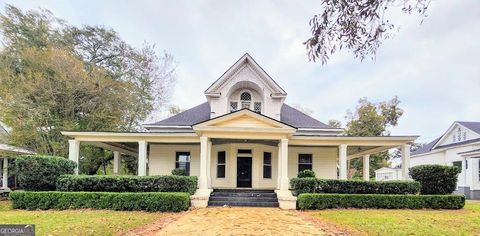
243	197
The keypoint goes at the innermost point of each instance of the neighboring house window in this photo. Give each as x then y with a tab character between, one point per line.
233	106
246	98
454	138
464	135
267	165
459	134
221	164
304	162
182	161
257	107
458	163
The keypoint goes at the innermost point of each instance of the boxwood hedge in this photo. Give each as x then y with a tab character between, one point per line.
101	200
436	179
313	185
315	201
40	173
103	183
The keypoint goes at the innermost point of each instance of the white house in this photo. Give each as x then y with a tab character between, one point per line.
460	146
243	136
387	173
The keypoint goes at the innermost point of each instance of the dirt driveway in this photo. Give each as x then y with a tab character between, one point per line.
243	221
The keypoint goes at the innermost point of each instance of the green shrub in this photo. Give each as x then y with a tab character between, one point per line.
313	201
304	185
104	183
312	185
179	172
39	173
101	200
306	174
436	179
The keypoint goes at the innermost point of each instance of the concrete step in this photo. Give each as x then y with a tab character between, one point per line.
246	204
245	190
239	194
243	199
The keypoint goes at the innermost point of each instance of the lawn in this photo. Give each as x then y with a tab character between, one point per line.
78	222
406	222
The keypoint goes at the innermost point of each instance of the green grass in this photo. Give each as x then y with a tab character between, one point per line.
78	222
406	222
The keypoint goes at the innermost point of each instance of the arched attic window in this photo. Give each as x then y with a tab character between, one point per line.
246	99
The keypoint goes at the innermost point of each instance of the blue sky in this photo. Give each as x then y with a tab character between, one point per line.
433	67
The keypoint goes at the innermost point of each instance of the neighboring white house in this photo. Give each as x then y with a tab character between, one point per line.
387	173
243	136
460	146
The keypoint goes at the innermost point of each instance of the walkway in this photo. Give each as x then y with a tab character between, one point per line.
241	221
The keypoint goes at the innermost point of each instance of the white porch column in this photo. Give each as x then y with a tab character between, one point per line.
464	171
405	149
142	158
74	152
116	162
342	161
283	153
203	178
209	164
5	174
366	167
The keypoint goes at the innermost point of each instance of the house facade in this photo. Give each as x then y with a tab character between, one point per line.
243	137
459	146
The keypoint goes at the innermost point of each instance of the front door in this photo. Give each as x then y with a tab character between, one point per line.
244	172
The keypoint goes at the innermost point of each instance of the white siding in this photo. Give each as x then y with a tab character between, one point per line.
162	162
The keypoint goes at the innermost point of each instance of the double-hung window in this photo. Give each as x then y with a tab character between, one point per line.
304	162
221	164
182	161
267	165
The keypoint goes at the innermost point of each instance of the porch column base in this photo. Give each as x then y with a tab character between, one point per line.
286	200
200	198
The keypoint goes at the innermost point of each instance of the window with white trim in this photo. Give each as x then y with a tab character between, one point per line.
221	164
304	162
233	106
257	107
182	161
267	165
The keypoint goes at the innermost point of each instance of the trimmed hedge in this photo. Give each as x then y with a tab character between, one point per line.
436	179
306	174
40	173
101	200
312	201
104	183
313	185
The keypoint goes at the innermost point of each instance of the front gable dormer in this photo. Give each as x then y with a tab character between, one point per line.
457	133
245	85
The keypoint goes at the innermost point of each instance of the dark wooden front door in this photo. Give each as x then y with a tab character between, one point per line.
244	172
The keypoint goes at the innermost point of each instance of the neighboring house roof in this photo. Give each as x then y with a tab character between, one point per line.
471	151
474	126
427	147
10	148
200	113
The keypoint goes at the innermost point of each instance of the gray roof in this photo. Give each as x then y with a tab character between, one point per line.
474	126
200	113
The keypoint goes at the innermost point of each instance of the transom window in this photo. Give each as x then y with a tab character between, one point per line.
182	161
221	164
304	162
267	165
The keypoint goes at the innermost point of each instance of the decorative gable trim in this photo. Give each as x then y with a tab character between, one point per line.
449	130
232	122
246	59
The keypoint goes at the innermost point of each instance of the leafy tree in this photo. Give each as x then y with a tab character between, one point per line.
335	123
372	119
358	26
56	77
